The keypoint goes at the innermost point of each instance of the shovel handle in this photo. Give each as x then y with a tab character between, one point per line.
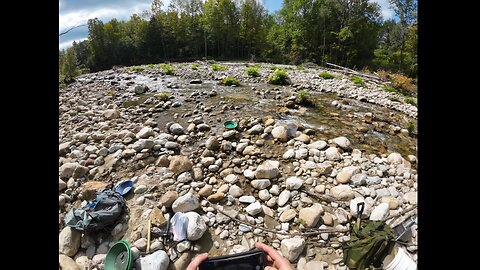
360	208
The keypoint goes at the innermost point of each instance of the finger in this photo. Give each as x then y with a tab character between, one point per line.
270	268
197	261
269	250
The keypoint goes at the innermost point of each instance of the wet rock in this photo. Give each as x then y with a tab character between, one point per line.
293	183
280	133
168	198
342	192
309	216
332	153
268	169
179	164
69	241
342	142
196	226
185	203
67	263
292	248
156	261
212	143
176	129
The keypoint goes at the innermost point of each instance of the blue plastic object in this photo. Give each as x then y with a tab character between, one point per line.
124	187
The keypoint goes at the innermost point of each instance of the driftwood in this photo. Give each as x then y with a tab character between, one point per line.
312	232
348	71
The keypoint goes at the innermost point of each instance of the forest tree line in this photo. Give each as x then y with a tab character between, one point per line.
350	33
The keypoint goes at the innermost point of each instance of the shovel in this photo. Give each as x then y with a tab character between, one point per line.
360	208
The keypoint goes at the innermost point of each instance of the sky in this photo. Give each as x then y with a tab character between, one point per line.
77	12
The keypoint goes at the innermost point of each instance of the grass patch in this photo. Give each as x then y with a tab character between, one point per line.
216	67
394	98
357	81
228	81
411	101
167	69
136	68
300	68
194	66
273	67
150	65
326	75
253	72
390	89
279	76
303	98
163	96
411	126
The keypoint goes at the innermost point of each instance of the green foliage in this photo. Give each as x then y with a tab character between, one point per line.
167	69
394	98
411	126
278	77
68	67
326	75
216	67
253	72
411	101
163	96
150	66
303	97
357	81
136	68
390	89
194	66
300	68
273	67
228	81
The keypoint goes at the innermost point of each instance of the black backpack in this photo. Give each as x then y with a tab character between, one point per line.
94	216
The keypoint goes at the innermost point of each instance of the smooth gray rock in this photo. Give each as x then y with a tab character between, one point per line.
235	191
280	133
310	216
212	143
145	132
342	192
254	209
319	145
185	203
380	212
247	199
342	142
394	158
185	177
260	183
301	153
156	261
196	226
283	197
359	179
332	153
176	129
411	197
256	129
69	241
289	154
288	215
293	183
268	169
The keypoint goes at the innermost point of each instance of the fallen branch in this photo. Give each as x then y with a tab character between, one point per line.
326	198
70	29
315	232
345	70
401	213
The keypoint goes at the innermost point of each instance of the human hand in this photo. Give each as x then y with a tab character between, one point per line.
274	260
197	261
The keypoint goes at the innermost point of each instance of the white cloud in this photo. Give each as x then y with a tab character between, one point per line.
387	12
66	44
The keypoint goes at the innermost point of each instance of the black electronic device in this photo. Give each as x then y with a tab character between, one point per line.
249	260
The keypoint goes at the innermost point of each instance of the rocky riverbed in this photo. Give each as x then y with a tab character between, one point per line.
286	168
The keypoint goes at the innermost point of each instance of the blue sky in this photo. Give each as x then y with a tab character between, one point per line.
77	12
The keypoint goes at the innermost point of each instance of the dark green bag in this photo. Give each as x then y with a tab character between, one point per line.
370	242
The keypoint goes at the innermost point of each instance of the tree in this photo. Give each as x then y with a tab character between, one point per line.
406	10
69	68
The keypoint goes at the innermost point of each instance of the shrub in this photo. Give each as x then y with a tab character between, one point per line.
150	65
357	81
163	96
403	82
300	68
411	126
216	67
326	75
278	77
194	66
411	101
394	98
390	89
230	81
253	72
273	67
303	97
167	69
